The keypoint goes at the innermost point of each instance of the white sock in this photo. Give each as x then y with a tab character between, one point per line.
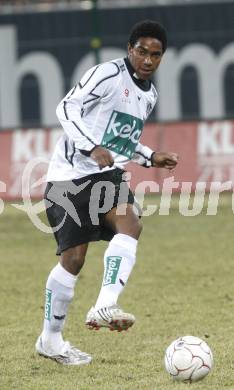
59	293
119	260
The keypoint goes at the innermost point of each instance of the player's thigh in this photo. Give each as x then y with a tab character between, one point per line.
123	219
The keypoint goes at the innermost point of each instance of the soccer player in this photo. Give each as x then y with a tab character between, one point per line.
87	197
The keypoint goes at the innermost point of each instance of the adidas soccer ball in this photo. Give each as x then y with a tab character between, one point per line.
188	359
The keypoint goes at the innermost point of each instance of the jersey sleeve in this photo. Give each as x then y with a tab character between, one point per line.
96	86
142	155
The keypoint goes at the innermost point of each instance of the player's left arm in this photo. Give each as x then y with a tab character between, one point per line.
148	158
142	155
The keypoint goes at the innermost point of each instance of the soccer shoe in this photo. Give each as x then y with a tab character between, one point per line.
69	355
111	317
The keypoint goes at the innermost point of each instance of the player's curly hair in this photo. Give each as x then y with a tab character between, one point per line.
148	28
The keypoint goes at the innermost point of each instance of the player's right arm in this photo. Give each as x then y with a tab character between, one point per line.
94	88
102	156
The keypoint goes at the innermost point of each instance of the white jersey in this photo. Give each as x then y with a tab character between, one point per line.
106	108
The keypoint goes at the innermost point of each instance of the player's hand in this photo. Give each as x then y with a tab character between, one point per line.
166	160
102	157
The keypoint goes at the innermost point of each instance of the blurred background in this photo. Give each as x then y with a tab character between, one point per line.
46	46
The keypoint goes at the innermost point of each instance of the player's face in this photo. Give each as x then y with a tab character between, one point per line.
145	56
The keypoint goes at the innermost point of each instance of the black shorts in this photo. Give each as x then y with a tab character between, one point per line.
75	209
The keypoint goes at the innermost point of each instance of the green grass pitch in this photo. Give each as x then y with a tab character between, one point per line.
183	283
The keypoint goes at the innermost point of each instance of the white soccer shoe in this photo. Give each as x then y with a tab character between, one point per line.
111	317
69	355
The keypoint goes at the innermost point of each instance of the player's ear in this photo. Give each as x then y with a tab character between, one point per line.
129	49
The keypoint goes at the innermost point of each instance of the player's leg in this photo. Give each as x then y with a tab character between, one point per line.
59	293
64	212
72	259
119	260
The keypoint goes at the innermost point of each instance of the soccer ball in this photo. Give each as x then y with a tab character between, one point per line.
188	359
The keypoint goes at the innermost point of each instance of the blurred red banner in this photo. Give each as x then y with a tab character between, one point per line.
206	152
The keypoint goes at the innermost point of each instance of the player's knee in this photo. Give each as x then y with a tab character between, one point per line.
136	228
140	227
78	262
73	263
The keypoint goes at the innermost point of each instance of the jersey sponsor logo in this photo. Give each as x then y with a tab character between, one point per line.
122	133
112	268
48	304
